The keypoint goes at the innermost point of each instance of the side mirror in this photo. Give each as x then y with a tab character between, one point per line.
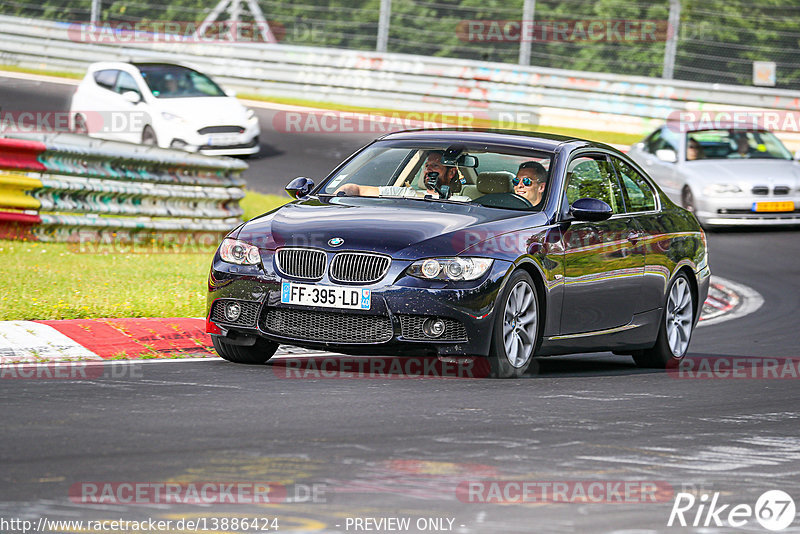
300	187
132	96
590	209
797	156
667	154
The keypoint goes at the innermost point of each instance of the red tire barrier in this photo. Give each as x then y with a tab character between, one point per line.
21	154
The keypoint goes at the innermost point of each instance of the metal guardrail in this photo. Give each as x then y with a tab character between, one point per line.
553	97
66	187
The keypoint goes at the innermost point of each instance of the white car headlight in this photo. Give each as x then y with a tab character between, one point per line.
172	117
721	189
239	252
453	269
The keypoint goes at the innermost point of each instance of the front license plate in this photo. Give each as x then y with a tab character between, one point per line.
222	140
346	298
773	206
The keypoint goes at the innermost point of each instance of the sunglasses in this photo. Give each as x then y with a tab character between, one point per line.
525	181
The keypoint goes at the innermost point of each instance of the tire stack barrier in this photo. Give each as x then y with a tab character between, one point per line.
66	187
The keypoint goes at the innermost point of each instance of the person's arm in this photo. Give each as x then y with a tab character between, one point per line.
355	190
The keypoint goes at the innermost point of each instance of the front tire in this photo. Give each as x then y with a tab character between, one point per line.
516	328
675	332
256	354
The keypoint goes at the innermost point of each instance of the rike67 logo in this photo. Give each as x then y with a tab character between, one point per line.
774	510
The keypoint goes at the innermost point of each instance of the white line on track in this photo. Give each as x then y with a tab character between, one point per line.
38	78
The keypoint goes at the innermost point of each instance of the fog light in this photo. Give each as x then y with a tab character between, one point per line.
433	327
232	311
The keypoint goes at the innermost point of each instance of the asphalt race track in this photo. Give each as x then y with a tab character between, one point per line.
381	449
283	156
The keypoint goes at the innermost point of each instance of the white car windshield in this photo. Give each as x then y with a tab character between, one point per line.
491	178
734	144
174	81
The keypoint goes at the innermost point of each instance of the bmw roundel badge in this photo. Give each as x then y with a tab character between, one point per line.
335	241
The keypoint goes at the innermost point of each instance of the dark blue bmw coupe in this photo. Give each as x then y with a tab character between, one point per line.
506	245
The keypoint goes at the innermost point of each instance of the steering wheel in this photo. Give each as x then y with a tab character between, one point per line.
504	200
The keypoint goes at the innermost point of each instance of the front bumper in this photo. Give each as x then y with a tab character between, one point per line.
186	137
398	301
735	210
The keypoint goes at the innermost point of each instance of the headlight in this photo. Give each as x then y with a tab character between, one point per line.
453	269
239	252
171	117
251	114
721	189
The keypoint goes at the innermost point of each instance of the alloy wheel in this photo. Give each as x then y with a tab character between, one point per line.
520	322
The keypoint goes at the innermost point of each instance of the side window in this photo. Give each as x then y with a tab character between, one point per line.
639	194
592	177
661	139
125	82
106	78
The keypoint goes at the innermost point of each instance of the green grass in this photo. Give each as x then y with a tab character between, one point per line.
43	72
59	281
593	135
254	204
67	281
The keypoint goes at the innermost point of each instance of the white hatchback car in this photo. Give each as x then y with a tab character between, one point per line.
167	105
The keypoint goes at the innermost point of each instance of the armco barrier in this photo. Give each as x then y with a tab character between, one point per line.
552	97
67	187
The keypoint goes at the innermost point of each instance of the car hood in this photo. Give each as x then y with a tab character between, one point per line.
207	110
745	172
404	229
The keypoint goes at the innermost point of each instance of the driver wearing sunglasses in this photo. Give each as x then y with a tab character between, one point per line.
529	183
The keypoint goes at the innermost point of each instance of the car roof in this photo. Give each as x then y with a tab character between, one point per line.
514	138
131	66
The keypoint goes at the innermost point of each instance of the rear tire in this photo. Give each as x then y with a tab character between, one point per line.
516	328
675	332
256	354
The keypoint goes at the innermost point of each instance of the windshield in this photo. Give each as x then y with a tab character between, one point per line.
734	144
174	81
498	178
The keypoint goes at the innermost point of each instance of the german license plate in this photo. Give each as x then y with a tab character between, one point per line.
347	298
773	206
223	139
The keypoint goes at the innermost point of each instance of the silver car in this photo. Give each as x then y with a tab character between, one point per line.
726	177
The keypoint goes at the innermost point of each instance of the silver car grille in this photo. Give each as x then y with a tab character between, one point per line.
301	262
311	325
359	267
